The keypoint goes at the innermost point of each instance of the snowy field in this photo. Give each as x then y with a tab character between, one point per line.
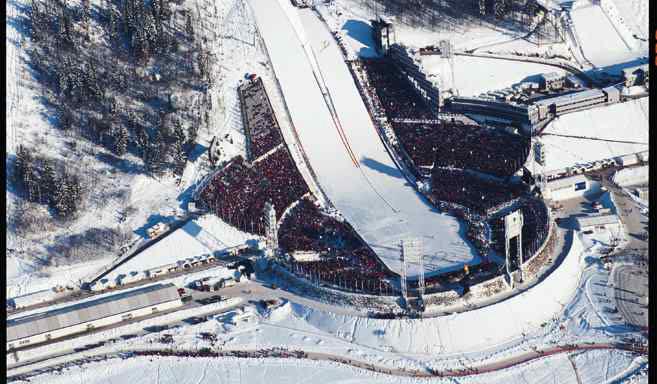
121	195
202	236
602	42
624	122
475	75
369	190
633	14
170	370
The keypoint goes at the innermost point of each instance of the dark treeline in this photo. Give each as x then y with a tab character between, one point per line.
129	75
455	14
43	180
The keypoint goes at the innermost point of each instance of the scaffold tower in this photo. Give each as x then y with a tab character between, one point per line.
404	288
412	253
271	231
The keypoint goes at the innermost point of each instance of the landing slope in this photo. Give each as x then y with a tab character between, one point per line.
343	147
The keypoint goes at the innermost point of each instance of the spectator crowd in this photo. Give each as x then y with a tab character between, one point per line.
474	192
261	126
345	261
534	231
238	193
445	143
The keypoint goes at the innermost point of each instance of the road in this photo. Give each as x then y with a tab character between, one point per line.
80	294
203	316
522	358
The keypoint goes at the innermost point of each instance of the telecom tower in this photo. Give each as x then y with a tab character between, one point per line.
271	231
513	230
411	253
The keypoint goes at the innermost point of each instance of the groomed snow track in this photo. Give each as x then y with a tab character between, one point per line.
343	146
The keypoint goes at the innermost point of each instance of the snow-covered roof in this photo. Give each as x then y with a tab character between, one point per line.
571	97
620	122
591	221
90	310
565	182
553	76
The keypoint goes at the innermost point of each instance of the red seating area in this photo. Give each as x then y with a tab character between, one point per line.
346	260
238	193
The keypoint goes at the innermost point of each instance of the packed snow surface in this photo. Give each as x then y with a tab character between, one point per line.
602	42
198	237
486	328
632	176
367	188
619	122
471	76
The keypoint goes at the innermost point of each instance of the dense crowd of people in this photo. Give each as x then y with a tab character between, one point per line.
239	192
305	228
534	231
398	99
262	131
471	191
445	143
345	261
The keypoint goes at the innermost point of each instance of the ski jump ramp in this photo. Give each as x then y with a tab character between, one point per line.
343	146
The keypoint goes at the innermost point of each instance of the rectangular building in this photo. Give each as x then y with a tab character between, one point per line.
85	316
571	187
553	80
597	221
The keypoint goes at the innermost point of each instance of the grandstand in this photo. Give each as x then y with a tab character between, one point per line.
338	137
443	143
262	131
238	192
471	191
344	259
534	231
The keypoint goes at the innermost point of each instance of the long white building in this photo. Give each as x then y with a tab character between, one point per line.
87	315
343	146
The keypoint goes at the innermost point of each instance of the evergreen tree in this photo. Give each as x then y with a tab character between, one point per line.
189	27
67	196
121	141
48	181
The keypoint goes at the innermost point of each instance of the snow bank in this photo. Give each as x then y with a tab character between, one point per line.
202	236
471	76
477	330
632	176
